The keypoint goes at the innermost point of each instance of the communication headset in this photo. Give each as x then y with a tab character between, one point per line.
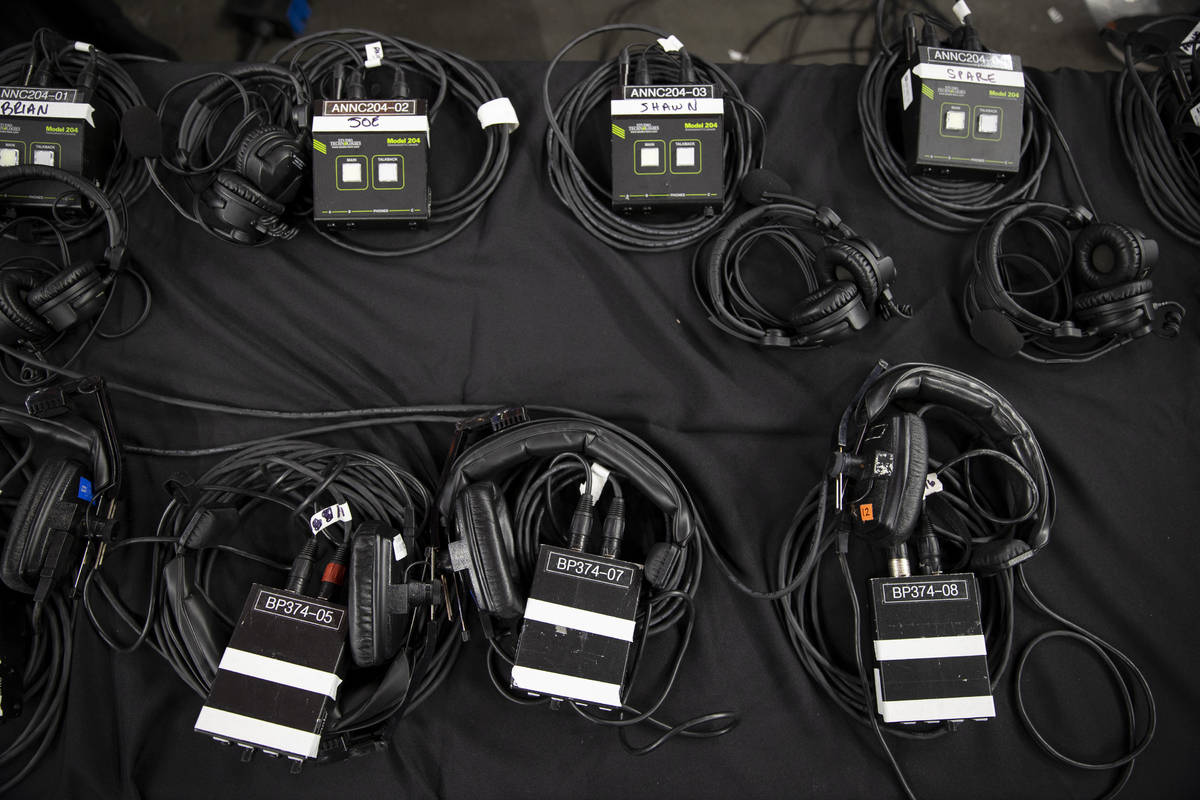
848	276
67	506
34	306
1089	282
250	180
887	479
493	553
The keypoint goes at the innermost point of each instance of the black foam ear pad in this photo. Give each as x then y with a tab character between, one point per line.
269	157
844	261
823	303
997	556
17	320
913	499
71	297
60	283
243	190
482	521
32	521
1107	254
374	637
1118	309
240	206
1090	301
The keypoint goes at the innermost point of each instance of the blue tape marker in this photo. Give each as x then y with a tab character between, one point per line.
85	489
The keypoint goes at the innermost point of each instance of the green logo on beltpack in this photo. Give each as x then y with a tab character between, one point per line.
618	131
927	90
319	147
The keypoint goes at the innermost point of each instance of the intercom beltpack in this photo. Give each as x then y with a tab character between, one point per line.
668	147
931	658
962	112
370	163
278	677
578	632
46	127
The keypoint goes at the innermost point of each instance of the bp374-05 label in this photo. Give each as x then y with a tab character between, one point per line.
298	609
925	591
590	569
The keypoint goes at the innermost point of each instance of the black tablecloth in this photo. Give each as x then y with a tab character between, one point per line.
526	307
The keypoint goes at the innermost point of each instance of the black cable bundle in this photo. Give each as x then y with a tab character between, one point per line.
588	198
948	204
1158	133
50	60
332	60
299	477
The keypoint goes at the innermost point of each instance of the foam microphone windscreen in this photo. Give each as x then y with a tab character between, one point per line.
142	132
758	181
997	333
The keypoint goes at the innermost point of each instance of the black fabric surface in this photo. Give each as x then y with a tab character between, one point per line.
526	307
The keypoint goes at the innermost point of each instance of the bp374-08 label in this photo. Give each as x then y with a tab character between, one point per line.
925	591
597	570
301	610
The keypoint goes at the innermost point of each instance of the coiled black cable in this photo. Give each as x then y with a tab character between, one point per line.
446	77
947	204
50	60
1159	138
590	199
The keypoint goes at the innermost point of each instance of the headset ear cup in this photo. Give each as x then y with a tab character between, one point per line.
1107	254
373	632
993	557
70	297
483	523
240	206
28	533
270	159
847	261
17	319
918	468
1117	309
831	313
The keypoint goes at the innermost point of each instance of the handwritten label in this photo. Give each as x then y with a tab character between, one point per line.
957	74
631	108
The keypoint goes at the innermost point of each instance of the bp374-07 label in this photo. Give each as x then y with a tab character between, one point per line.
589	569
301	610
925	591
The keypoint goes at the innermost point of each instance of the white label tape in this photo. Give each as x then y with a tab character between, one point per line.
399	549
1195	112
370	123
932	484
986	77
374	55
698	105
962	11
498	112
906	88
671	44
329	516
600	475
1191	40
38	108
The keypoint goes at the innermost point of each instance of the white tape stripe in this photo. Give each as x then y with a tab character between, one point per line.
385	123
967	74
658	106
47	110
929	647
498	112
567	686
281	672
578	619
975	707
228	725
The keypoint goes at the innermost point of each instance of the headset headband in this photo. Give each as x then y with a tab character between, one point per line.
71	432
114	253
502	451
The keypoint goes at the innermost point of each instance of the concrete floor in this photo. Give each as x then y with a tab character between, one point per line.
535	29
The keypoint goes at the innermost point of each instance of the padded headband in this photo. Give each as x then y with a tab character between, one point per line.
114	254
503	451
69	432
981	403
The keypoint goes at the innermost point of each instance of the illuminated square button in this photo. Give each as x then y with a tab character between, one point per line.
9	156
352	172
388	172
44	157
685	155
956	120
988	122
649	157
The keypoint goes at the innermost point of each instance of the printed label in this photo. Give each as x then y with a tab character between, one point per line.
906	88
926	591
590	569
328	516
308	611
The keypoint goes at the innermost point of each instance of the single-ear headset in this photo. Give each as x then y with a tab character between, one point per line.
61	511
849	278
261	167
34	306
887	432
1083	291
480	529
